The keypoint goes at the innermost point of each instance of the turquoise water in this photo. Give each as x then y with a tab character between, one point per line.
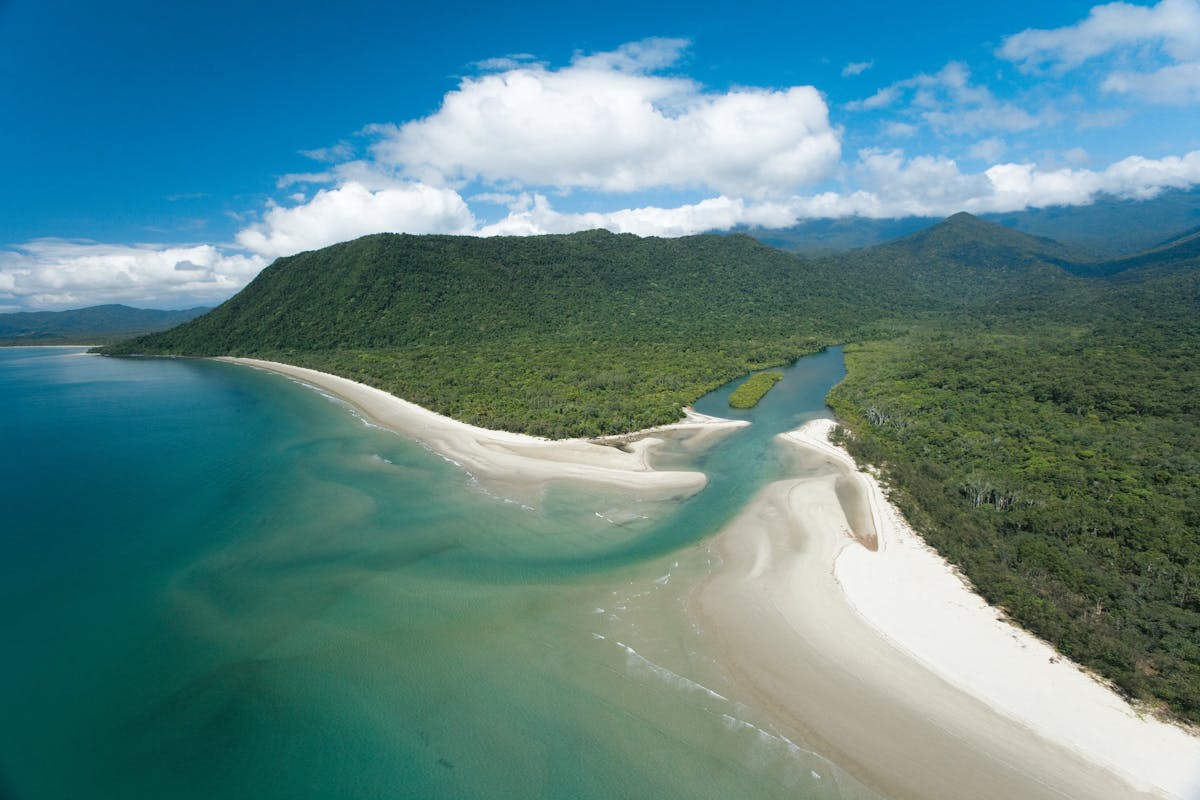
220	583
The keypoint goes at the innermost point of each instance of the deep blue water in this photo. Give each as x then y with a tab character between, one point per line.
219	583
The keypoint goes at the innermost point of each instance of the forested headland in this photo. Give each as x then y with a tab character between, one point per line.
1033	411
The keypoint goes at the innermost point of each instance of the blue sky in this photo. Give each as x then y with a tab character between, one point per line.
160	154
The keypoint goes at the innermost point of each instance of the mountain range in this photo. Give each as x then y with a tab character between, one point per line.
92	325
1108	228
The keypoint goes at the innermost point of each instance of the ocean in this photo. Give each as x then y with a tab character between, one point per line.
221	583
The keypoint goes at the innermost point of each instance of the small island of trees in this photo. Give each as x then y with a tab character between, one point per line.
749	393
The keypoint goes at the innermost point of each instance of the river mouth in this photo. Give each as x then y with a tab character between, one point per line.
253	592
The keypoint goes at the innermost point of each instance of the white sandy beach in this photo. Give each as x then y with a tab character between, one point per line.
912	596
903	675
512	457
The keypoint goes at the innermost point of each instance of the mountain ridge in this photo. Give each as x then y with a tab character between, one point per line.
1109	227
89	325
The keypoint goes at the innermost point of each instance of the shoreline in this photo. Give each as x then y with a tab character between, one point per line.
45	346
905	677
515	458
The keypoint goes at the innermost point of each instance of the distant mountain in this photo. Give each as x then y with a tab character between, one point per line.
823	237
974	241
1105	229
1181	253
92	325
1111	226
963	263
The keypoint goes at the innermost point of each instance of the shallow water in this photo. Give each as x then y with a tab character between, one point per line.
223	584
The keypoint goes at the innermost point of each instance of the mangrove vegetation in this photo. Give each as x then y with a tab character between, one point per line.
753	389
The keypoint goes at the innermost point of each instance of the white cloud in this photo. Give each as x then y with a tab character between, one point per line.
1136	176
505	62
1174	25
948	102
533	214
56	273
1077	156
988	149
1102	118
881	99
900	130
892	186
295	178
353	210
888	185
647	55
1155	51
342	151
608	122
856	68
1174	85
992	116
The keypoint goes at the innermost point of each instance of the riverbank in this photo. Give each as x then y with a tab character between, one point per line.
889	664
512	457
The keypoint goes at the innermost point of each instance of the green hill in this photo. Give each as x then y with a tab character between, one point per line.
1035	413
584	334
92	325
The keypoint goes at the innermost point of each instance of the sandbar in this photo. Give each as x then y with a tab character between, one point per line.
888	663
515	458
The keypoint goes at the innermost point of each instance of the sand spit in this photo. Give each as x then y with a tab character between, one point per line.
512	457
892	667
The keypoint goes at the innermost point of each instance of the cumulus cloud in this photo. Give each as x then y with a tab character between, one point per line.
612	122
1174	85
533	214
353	210
56	273
1173	25
1157	47
888	184
891	185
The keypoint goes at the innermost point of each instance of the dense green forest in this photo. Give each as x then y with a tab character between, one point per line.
1034	410
586	334
92	325
1052	451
